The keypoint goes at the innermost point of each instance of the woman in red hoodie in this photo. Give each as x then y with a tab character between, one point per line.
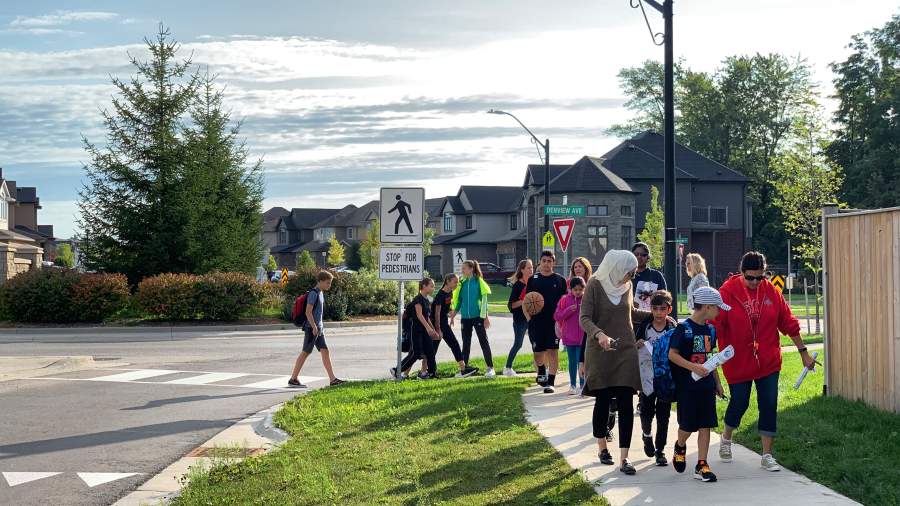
760	314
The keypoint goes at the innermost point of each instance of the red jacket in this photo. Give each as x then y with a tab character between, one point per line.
734	328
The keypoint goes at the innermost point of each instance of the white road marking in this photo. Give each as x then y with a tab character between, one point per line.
138	374
94	479
282	382
18	478
203	379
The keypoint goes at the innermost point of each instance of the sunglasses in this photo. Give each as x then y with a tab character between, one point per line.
753	278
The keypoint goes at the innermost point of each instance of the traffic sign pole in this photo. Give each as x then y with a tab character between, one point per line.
397	370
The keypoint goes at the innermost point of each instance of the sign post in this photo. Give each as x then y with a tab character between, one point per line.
402	214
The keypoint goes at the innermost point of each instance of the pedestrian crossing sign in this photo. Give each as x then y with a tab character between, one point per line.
549	241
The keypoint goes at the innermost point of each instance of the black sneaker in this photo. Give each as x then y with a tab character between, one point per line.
661	459
679	461
542	380
335	382
605	458
295	384
549	389
702	472
468	371
627	468
649	449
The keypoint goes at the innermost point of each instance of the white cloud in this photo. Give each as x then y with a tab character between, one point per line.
60	18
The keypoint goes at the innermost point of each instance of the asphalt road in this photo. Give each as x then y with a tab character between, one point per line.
171	397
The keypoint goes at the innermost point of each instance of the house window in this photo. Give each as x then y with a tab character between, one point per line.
513	222
710	215
598	210
626	211
508	262
448	222
282	236
597	231
349	232
626	237
469	222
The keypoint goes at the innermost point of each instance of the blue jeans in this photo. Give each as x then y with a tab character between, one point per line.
519	330
574	354
766	402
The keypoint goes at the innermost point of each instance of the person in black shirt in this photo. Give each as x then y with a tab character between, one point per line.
524	271
440	311
646	280
542	326
421	331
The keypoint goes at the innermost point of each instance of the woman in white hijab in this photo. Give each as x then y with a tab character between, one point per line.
611	360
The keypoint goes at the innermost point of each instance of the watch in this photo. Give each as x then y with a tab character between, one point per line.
801	350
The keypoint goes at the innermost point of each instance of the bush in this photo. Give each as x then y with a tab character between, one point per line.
351	294
169	296
226	296
63	296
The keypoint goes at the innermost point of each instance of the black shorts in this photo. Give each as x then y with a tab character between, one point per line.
543	336
696	409
310	341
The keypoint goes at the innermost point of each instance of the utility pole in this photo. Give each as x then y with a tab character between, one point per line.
669	264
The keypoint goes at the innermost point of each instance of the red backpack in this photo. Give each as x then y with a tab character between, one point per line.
298	314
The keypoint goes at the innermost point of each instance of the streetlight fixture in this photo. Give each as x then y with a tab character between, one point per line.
665	8
546	146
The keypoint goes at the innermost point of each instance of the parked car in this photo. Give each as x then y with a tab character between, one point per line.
494	274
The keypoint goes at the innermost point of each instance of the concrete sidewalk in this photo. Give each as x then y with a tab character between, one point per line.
566	422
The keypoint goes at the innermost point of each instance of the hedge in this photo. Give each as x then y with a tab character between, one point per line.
63	296
220	296
351	294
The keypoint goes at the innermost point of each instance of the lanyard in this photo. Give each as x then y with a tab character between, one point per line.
753	308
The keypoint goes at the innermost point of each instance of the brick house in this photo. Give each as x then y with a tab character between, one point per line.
22	240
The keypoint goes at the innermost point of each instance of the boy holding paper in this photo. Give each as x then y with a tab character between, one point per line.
691	345
653	404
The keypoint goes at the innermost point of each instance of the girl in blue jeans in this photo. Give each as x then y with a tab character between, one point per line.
524	271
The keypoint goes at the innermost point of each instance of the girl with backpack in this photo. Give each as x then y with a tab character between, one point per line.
421	331
470	301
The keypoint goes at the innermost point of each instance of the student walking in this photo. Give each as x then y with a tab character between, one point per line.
440	313
652	404
691	344
421	331
314	331
695	266
646	280
470	301
567	317
541	326
524	271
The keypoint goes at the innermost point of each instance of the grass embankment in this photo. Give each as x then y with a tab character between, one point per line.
417	442
844	445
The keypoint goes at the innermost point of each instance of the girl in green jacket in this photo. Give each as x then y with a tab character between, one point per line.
470	301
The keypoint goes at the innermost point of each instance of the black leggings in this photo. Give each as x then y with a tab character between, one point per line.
421	348
654	407
624	398
450	338
478	324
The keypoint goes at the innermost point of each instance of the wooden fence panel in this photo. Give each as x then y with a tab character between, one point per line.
862	298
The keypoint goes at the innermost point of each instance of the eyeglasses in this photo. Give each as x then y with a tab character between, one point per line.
753	278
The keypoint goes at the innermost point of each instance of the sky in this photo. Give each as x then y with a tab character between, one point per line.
341	97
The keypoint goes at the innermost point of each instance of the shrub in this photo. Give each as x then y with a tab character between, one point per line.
351	294
99	296
169	296
63	296
226	296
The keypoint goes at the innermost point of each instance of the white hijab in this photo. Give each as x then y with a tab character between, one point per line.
615	265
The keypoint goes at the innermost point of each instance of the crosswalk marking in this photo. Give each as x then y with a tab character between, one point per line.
135	375
282	382
18	478
94	479
203	379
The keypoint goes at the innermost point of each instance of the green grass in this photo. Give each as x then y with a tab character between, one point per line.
844	445
435	442
807	339
498	299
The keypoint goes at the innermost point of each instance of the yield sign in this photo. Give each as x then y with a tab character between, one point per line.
564	229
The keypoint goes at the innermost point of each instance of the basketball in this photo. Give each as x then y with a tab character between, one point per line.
533	303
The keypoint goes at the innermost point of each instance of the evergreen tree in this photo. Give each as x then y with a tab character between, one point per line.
335	253
305	260
271	265
653	230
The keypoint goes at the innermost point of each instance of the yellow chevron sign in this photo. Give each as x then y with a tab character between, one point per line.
778	281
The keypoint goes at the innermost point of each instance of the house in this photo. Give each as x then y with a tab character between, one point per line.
22	240
486	221
269	235
311	230
712	212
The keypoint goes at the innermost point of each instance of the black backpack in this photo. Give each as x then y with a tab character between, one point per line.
406	326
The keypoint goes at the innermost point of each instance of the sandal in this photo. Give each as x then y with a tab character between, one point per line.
337	382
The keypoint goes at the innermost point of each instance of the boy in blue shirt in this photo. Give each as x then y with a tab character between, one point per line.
692	343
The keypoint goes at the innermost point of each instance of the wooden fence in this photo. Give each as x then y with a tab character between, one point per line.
862	305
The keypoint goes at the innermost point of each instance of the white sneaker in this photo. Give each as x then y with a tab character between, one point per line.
573	390
490	373
725	451
580	391
509	373
769	463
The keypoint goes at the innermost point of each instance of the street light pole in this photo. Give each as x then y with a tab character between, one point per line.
669	267
546	146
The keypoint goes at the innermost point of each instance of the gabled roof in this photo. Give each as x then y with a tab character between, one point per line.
360	216
588	175
456	206
300	219
433	206
492	199
271	217
27	195
444	239
337	219
46	230
641	157
534	174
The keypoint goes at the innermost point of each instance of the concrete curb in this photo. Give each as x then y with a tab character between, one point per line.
253	435
14	367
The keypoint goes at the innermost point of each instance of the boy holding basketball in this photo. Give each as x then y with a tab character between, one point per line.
541	325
